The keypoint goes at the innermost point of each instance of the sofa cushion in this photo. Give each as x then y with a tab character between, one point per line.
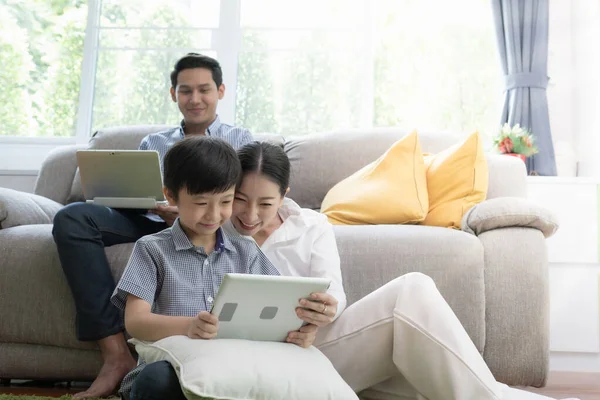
20	208
321	160
457	179
390	190
32	279
37	304
372	255
507	176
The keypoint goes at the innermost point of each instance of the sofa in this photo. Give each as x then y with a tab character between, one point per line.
493	272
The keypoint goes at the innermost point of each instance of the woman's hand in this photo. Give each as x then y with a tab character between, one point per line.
203	326
303	337
319	310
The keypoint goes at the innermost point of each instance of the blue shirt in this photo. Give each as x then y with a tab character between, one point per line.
179	279
163	141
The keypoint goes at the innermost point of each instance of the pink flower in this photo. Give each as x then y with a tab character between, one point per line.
506	146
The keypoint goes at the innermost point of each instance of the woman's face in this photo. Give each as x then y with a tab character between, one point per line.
256	204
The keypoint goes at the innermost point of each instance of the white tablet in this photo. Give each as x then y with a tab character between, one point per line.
121	178
262	307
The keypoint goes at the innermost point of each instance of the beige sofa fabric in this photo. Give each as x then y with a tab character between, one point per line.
375	254
20	208
507	176
320	161
516	305
506	212
499	294
30	361
57	172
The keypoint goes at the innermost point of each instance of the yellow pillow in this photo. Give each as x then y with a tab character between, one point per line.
390	190
457	179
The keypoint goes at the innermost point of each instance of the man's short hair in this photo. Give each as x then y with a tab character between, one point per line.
195	60
201	164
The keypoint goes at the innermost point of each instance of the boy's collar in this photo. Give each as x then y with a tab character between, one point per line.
182	242
211	130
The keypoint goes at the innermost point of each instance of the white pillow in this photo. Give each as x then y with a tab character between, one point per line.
241	369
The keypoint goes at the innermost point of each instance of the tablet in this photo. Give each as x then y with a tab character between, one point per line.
121	178
262	307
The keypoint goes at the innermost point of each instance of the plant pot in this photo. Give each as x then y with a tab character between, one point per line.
521	156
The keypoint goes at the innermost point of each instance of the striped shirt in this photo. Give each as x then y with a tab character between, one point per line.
163	141
179	279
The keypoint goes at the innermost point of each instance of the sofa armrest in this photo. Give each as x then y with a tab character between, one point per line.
516	305
21	208
506	212
57	172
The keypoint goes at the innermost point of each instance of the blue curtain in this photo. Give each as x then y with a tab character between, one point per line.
522	34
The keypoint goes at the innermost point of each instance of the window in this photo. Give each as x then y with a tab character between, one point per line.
41	49
138	43
322	65
289	67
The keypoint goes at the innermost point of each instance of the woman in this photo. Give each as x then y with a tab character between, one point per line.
404	331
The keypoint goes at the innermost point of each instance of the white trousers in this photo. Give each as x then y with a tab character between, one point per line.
404	341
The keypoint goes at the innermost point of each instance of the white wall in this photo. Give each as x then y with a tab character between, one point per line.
18	180
574	90
560	71
586	58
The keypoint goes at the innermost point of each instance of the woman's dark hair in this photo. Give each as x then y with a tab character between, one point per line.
266	159
201	164
195	60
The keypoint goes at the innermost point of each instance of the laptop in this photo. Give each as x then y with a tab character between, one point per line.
262	307
121	178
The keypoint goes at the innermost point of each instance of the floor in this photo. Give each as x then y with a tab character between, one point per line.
581	385
34	388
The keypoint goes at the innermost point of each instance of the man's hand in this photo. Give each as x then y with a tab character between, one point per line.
203	326
168	213
304	337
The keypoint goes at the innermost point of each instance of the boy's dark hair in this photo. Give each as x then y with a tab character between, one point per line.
195	60
266	159
201	164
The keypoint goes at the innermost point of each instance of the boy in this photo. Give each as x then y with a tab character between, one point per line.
173	276
81	231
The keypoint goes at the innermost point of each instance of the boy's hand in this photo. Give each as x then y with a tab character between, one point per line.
303	337
203	326
168	213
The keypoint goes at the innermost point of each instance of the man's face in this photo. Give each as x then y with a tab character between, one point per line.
197	96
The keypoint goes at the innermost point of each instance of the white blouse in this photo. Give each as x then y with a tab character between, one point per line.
304	245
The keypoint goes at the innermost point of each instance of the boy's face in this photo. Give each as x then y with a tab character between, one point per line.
202	214
197	96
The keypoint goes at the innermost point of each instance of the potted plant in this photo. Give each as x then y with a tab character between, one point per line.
515	141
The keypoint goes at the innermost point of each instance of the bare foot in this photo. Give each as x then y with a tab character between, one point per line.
118	361
108	380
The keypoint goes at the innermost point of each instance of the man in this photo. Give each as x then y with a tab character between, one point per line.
81	231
